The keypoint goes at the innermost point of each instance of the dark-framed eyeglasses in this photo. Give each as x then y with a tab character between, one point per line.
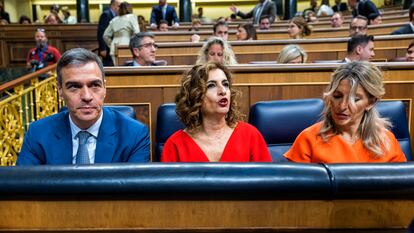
149	45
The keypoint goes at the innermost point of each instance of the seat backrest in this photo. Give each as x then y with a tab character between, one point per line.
281	121
396	113
167	124
127	110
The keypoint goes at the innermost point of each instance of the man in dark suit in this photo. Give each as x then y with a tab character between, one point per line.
363	7
408	28
3	14
104	20
163	11
360	48
339	6
86	133
264	7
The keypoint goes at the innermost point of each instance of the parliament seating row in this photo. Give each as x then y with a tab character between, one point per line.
281	121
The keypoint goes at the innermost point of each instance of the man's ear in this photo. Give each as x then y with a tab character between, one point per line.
59	86
358	50
136	52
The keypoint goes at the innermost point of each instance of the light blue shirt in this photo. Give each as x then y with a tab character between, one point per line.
91	143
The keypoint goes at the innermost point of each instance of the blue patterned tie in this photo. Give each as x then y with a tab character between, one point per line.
82	156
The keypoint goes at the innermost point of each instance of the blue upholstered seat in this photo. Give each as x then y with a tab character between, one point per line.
167	124
280	121
396	113
127	110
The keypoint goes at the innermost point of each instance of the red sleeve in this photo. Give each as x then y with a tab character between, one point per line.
259	151
170	151
56	54
29	56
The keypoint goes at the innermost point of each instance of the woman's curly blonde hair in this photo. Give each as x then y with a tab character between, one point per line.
192	92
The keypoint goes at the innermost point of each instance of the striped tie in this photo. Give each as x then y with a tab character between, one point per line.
82	156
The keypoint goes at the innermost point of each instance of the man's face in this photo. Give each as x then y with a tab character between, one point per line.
352	3
83	90
264	24
358	27
336	21
162	2
410	54
115	6
41	39
366	52
146	52
163	27
222	31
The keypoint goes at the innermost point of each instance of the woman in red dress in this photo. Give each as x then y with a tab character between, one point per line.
214	133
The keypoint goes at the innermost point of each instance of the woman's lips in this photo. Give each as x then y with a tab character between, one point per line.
223	102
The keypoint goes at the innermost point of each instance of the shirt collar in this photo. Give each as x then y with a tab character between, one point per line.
94	129
112	12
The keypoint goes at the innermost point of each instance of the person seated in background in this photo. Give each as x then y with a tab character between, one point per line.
362	7
67	18
408	28
351	130
358	26
206	104
311	17
218	50
52	19
374	19
221	29
24	20
163	11
292	54
324	9
120	29
264	23
143	49
246	31
337	20
4	14
298	28
410	52
85	133
313	7
339	6
43	54
360	48
195	25
142	23
163	26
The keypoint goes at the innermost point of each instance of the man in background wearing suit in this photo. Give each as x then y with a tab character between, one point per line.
408	28
86	133
363	7
360	48
163	11
264	7
104	20
143	49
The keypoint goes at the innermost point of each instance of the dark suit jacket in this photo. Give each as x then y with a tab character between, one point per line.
268	9
342	7
120	139
4	15
365	8
170	15
406	29
104	20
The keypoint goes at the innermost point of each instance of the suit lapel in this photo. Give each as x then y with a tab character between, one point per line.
62	140
107	139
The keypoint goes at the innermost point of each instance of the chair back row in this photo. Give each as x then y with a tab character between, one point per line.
280	122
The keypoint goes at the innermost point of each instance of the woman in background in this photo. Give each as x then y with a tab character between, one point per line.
351	130
121	28
218	50
206	104
298	28
246	31
292	54
410	52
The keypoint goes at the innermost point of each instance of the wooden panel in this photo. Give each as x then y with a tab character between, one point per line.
206	215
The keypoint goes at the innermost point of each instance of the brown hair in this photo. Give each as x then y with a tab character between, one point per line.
192	92
303	25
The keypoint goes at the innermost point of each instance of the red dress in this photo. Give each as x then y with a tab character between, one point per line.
245	144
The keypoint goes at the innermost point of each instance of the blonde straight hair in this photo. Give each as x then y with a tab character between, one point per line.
372	127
